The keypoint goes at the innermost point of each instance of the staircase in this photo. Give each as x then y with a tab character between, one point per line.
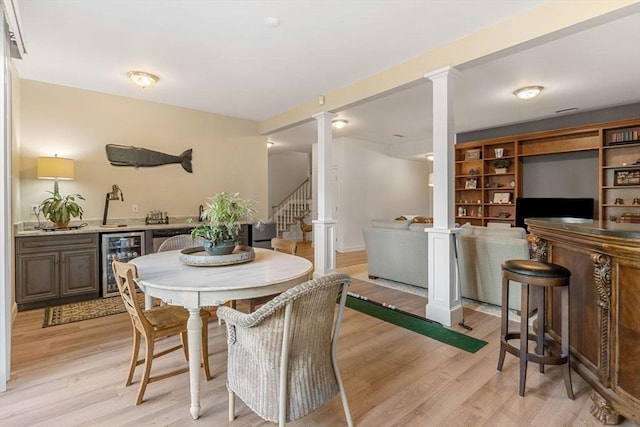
293	208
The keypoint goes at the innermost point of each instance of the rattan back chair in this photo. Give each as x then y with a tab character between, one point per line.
282	357
181	241
158	322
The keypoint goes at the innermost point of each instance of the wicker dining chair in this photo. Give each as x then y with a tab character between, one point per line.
282	357
180	241
184	241
158	322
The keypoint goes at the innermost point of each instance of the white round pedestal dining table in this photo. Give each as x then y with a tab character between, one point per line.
163	275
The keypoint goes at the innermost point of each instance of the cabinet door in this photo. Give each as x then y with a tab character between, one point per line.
37	277
79	272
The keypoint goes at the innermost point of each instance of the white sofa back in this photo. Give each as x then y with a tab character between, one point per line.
481	252
397	250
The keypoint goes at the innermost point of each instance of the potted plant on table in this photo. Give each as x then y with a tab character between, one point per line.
222	216
60	209
501	165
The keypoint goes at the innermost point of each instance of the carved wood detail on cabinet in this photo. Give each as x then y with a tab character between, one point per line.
604	314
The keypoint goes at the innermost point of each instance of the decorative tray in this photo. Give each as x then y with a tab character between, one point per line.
199	258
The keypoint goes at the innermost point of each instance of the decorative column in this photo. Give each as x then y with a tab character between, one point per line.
444	298
324	228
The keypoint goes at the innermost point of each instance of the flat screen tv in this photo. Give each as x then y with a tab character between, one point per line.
552	207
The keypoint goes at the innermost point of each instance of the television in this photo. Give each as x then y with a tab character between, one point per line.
552	207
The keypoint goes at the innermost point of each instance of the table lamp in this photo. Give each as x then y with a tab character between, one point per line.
55	168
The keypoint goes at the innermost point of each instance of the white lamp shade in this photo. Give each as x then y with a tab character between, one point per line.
55	168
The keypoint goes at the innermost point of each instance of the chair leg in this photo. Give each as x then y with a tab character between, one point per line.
541	322
524	336
185	345
232	406
504	321
205	350
134	356
148	359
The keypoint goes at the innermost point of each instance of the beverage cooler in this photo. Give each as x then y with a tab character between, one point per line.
125	246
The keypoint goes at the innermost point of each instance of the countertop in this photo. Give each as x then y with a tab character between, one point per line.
94	226
623	230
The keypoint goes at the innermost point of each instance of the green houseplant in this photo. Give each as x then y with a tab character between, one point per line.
60	209
501	165
222	215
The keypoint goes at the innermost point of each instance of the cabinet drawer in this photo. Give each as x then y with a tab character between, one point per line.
30	244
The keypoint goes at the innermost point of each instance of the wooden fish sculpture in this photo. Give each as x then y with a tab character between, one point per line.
128	155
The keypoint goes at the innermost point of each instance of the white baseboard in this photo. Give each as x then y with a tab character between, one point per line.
351	249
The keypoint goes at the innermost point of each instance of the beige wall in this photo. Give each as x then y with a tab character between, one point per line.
228	153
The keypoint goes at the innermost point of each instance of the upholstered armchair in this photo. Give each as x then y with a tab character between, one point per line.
282	357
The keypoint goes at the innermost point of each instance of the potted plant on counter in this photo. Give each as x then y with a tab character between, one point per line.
222	216
60	209
501	165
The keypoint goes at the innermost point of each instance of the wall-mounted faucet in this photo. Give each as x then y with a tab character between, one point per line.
115	194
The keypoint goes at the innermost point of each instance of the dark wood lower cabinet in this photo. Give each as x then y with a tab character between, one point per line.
52	270
605	310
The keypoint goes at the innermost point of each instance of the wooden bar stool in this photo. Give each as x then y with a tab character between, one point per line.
544	275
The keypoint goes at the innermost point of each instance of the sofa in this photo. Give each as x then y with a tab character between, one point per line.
397	250
481	251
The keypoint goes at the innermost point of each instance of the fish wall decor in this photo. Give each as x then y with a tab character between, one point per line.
128	155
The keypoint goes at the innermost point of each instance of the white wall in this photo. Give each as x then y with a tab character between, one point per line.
371	184
286	172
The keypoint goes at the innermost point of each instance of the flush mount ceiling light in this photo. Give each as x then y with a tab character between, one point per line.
270	144
528	92
429	156
142	78
339	123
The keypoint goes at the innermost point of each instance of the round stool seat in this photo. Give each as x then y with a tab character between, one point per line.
548	351
543	270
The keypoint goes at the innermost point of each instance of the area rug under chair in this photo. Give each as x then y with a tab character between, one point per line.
77	311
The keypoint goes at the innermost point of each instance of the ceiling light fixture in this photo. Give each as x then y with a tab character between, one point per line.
270	144
143	79
339	123
529	92
429	156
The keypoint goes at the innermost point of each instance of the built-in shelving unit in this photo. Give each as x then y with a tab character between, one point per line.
620	173
485	193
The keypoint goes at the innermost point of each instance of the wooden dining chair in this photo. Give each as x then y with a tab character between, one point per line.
282	358
283	245
158	322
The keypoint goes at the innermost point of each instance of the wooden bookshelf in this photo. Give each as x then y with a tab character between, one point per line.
484	194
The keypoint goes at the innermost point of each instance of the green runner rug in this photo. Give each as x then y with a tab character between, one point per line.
416	324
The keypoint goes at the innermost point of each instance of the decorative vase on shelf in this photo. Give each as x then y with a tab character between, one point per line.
501	165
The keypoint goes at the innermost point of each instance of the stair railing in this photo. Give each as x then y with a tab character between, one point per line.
293	207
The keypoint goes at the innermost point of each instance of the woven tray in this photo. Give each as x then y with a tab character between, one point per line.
199	258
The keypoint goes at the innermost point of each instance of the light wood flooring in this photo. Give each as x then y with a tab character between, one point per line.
73	375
